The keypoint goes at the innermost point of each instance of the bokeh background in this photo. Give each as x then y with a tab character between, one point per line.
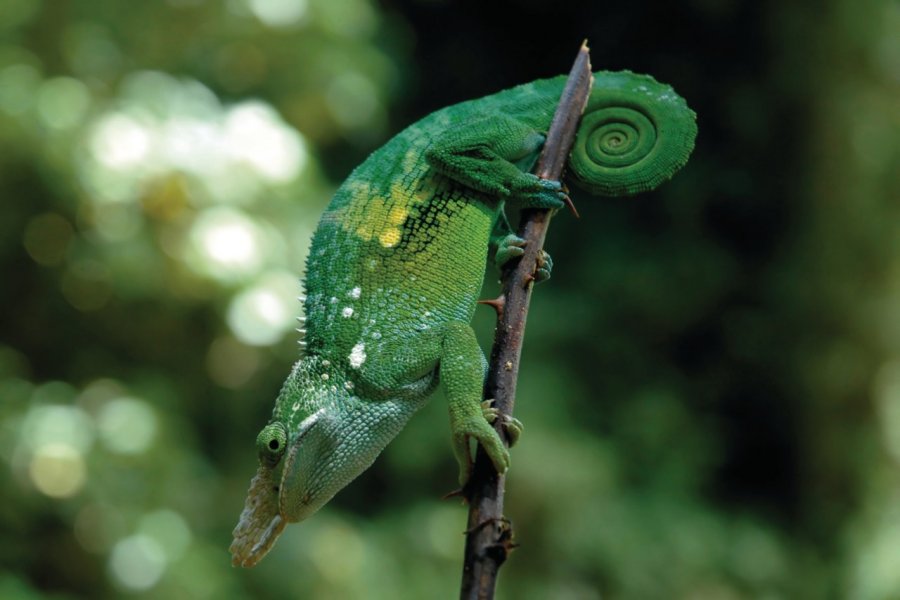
710	383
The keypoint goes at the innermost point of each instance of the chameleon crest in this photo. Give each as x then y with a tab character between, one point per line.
395	269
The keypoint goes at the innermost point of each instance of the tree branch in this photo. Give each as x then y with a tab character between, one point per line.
489	536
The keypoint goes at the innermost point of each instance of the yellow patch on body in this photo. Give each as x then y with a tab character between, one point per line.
382	217
389	237
396	217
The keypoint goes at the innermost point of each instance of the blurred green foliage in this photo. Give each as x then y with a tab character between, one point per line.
710	385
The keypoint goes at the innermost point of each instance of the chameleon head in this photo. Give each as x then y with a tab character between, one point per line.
320	438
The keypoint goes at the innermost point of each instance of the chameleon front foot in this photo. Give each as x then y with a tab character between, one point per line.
536	192
479	429
511	425
512	247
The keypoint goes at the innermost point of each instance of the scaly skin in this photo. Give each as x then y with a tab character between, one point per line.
395	269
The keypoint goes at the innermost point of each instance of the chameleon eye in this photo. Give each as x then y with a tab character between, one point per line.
271	443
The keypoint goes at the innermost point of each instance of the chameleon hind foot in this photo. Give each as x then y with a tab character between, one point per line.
511	425
512	247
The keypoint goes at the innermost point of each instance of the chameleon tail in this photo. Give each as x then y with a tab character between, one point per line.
634	135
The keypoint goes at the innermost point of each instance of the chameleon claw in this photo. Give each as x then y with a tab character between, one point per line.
489	411
511	425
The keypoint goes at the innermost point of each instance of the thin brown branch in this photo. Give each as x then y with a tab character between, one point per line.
489	535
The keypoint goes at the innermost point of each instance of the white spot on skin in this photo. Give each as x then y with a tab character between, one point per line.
325	376
333	300
347	312
295	407
348	385
355	293
326	363
357	355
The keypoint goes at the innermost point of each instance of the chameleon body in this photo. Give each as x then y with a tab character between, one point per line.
396	266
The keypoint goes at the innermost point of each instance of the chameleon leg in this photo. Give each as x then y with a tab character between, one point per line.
494	156
462	377
453	350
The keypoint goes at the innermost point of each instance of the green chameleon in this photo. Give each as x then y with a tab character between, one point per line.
395	269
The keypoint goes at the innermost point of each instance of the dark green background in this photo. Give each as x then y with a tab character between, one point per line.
710	382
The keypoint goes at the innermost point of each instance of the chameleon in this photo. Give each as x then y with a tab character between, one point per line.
395	269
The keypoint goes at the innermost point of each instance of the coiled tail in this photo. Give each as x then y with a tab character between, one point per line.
635	134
